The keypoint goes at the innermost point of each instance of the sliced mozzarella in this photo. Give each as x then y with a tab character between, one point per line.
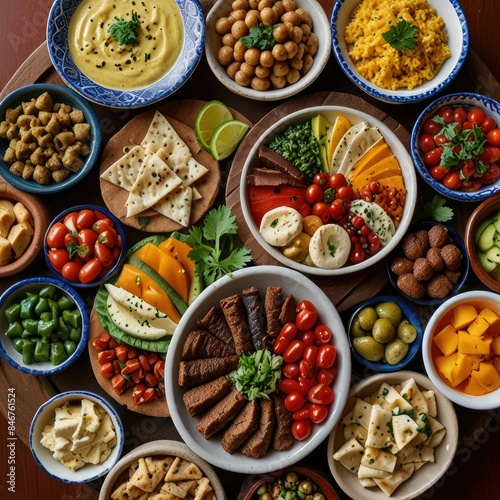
342	146
376	217
280	226
329	247
359	145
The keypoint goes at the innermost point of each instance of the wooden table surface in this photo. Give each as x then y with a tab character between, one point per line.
474	473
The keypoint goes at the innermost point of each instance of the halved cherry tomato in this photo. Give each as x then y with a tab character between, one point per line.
491	174
493	153
468	168
301	429
107	371
121	353
326	356
56	234
109	237
85	219
119	382
101	225
90	271
317	413
320	394
138	393
101	342
294	351
294	401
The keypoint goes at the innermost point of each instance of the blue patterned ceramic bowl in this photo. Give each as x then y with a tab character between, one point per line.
44	457
458	41
60	94
194	41
18	292
468	101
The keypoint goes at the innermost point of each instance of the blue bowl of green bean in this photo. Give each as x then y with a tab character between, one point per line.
44	324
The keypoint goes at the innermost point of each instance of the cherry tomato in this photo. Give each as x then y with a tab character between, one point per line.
289	331
317	413
321	180
306	370
70	221
85	218
90	271
446	113
294	401
56	234
322	210
488	124
101	225
291	370
320	394
491	174
336	181
438	172
301	429
289	385
326	375
306	319
468	168
302	414
493	137
322	334
476	115
58	257
433	157
345	193
310	354
431	127
71	271
426	142
70	242
471	184
87	237
305	384
314	194
326	356
294	351
305	305
104	254
493	153
110	238
460	115
308	337
304	210
440	140
452	180
337	209
280	345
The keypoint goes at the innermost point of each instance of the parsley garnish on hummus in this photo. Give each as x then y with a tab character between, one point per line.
402	36
125	32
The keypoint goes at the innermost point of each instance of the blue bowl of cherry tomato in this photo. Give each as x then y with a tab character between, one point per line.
455	145
84	246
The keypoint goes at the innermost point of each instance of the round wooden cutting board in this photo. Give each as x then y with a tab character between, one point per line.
344	291
182	116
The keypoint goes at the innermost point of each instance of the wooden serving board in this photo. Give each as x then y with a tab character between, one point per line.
344	291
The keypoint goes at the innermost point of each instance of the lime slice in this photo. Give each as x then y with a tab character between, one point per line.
210	116
226	138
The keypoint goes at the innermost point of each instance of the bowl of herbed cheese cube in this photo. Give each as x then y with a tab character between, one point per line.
76	437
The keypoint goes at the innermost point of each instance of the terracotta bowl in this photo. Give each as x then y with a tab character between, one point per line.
484	211
41	219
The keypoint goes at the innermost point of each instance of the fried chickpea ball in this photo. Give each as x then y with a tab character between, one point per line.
252	56
252	18
410	286
238	15
289	5
239	29
232	69
422	269
451	256
239	51
261	84
262	72
281	68
240	4
267	59
438	236
228	40
280	33
401	265
223	26
293	76
268	16
439	287
278	82
279	52
247	69
242	79
434	257
225	55
412	246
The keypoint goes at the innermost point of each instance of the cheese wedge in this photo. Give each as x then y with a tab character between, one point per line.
377	152
341	149
359	145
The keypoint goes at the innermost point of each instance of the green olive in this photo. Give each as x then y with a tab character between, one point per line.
383	330
406	332
356	330
391	311
367	317
368	348
395	351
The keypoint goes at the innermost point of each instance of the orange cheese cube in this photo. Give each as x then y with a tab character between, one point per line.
491	317
455	368
495	345
468	344
487	376
474	388
478	327
463	316
447	340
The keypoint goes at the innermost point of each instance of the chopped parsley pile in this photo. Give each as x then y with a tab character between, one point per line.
125	32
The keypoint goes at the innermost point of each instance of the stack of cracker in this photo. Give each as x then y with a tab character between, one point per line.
164	478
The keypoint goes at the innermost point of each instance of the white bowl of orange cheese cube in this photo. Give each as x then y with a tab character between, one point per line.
461	349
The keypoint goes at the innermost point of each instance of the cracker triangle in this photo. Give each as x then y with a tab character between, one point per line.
183	470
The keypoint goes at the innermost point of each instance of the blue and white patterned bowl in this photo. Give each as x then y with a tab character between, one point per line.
467	100
194	41
43	456
458	41
17	292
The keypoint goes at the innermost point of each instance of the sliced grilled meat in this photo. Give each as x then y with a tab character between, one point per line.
206	395
282	437
270	159
234	312
258	443
256	316
243	425
199	371
202	344
215	322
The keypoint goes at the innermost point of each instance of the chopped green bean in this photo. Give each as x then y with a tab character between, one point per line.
48	291
14	330
42	350
28	351
57	353
69	347
65	303
41	306
13	312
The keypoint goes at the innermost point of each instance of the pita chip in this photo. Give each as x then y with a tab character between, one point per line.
177	205
182	470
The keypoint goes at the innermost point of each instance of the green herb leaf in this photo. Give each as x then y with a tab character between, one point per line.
125	32
402	36
257	374
436	210
259	36
216	248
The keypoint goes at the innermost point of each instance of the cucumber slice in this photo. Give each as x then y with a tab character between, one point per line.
493	254
485	240
486	264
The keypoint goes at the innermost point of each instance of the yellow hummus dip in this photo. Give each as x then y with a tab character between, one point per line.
133	65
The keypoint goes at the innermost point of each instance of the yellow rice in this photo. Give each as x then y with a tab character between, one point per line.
385	66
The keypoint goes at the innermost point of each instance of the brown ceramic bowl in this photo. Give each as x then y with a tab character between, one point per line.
487	209
41	219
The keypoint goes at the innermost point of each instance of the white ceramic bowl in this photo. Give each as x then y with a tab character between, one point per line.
43	456
161	448
354	116
60	94
468	101
17	292
423	478
57	40
320	27
480	299
458	41
259	277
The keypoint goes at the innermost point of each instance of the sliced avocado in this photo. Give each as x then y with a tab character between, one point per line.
485	240
486	264
197	287
493	254
321	128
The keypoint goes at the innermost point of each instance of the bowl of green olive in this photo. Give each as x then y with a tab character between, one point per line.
385	333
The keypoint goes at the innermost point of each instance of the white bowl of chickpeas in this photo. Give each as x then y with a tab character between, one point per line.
265	50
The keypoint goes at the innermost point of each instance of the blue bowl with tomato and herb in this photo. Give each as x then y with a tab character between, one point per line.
84	246
455	145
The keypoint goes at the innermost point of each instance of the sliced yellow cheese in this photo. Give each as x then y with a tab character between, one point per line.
469	344
447	340
463	316
478	327
386	167
377	152
487	376
394	181
340	127
474	388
